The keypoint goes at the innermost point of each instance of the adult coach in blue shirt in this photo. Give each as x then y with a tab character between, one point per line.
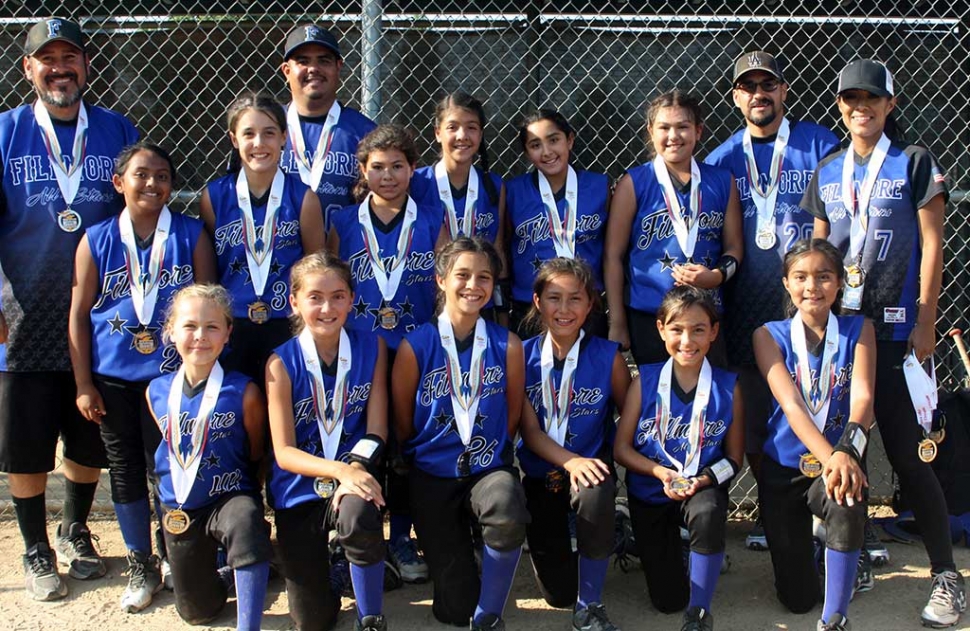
321	133
772	159
57	157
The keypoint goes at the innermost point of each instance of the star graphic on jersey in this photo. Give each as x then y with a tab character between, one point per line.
838	421
480	421
536	264
708	261
377	313
236	267
275	267
360	307
667	262
570	435
141	328
444	420
211	461
117	324
406	307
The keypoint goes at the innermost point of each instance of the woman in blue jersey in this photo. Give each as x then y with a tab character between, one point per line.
820	367
573	381
555	210
471	197
328	419
262	220
673	221
458	388
389	240
127	269
681	439
213	427
881	202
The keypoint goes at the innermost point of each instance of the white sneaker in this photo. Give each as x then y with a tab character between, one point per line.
144	581
948	600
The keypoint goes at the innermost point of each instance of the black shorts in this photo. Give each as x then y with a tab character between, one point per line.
36	408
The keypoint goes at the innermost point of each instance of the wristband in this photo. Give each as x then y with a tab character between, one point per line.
853	441
367	451
727	265
721	471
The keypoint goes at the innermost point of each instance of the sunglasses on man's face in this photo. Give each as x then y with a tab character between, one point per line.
768	85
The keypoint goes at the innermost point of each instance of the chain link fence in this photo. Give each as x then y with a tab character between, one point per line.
173	67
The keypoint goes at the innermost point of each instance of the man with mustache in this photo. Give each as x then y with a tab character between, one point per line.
772	159
57	157
322	133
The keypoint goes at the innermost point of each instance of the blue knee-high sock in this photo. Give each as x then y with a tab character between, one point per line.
135	521
498	570
250	594
368	583
400	527
592	576
704	572
840	569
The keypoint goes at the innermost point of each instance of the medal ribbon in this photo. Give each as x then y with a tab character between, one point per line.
144	284
471	198
818	395
387	280
68	179
557	404
464	399
311	171
858	207
922	389
185	466
765	200
259	245
330	415
685	230
563	232
695	433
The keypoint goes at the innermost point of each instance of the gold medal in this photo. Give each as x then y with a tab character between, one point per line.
680	485
765	239
259	312
556	481
926	450
388	318
68	220
937	436
809	465
324	487
855	276
145	342
176	521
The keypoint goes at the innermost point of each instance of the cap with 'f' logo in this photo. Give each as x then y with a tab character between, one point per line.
53	30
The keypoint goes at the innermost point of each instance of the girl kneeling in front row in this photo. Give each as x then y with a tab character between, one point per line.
821	371
681	439
212	438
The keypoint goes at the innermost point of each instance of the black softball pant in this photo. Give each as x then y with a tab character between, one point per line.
236	523
303	531
788	501
900	434
656	529
130	438
550	548
443	510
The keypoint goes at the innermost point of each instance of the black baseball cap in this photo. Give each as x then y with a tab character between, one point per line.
757	60
310	34
866	74
53	30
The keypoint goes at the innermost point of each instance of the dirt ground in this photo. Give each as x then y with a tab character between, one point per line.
744	601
